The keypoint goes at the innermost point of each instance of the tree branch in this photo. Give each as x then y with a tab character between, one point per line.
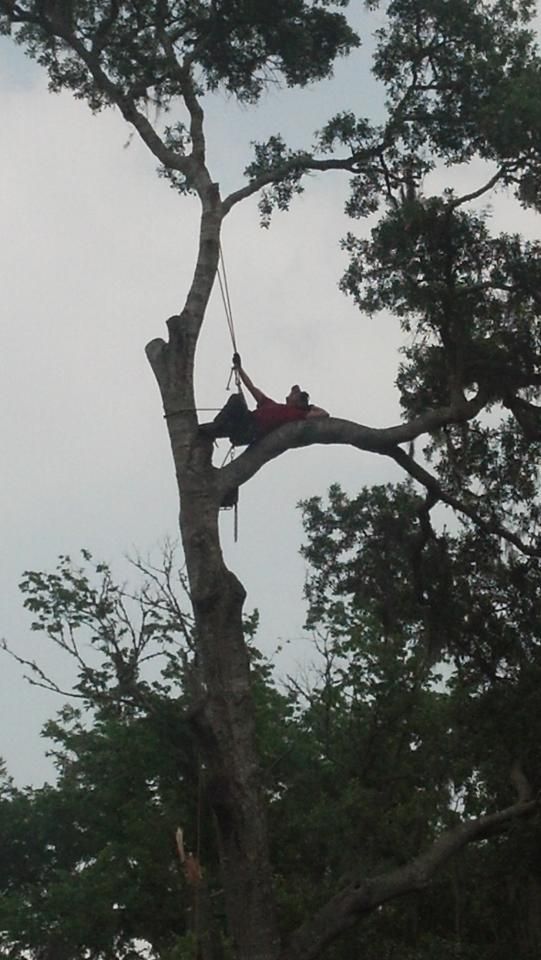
104	27
468	197
124	102
44	681
527	415
432	484
362	896
384	441
333	430
182	72
302	164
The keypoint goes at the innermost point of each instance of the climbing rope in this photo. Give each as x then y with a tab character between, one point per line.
198	846
226	300
224	289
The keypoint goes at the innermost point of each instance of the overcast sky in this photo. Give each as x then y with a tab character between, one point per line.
96	253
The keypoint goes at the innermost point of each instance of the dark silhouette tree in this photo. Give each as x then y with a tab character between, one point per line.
462	82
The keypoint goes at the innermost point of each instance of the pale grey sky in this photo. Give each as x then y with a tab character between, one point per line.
96	253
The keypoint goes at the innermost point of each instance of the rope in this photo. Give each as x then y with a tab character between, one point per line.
226	299
198	849
224	290
229	455
173	413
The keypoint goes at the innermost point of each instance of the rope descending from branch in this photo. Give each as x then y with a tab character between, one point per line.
226	300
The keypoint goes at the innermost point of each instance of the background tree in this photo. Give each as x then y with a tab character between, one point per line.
461	83
412	747
365	763
89	864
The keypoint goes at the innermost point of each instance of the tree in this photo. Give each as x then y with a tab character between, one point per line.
424	746
367	763
462	82
90	865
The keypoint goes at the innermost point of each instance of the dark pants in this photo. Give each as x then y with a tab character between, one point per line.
235	421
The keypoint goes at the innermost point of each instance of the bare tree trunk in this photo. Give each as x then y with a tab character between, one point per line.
225	725
224	718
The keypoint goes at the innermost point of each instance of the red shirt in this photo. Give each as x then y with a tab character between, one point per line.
268	415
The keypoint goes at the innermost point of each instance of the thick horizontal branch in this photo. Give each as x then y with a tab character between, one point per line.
362	896
333	430
385	441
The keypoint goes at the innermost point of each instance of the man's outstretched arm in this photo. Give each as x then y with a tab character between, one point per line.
257	394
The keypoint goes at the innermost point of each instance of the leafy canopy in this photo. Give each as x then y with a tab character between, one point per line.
143	47
361	767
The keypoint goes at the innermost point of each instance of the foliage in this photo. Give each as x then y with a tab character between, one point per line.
126	632
238	46
89	866
382	754
361	767
470	303
416	748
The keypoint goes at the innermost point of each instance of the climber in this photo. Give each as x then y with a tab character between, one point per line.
243	426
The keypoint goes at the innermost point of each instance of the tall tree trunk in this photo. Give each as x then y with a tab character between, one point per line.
226	729
224	719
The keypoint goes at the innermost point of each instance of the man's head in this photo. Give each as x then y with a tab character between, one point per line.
298	398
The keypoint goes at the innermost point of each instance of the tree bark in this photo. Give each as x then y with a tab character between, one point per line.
224	718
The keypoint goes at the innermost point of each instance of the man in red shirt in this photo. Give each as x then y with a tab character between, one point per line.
244	426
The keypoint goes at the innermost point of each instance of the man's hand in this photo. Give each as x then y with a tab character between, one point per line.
257	394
